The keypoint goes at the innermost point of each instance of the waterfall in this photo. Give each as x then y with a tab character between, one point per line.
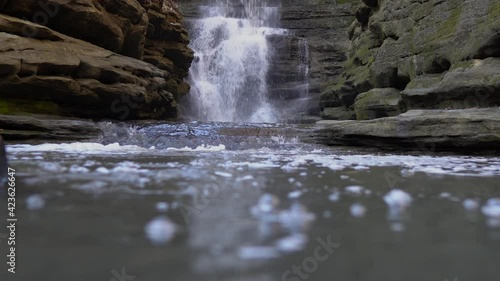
232	59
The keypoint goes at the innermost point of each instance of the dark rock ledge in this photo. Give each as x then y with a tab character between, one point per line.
47	127
466	130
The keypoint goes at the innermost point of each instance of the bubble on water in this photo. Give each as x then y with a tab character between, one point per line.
160	230
102	170
162	206
52	167
248	177
398	198
90	163
35	202
407	173
334	197
258	252
361	168
354	189
291	180
303	174
445	195
344	177
492	208
293	243
267	204
357	210
78	169
127	167
470	204
224	175
295	194
297	218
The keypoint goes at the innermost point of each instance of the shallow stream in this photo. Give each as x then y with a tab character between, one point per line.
216	201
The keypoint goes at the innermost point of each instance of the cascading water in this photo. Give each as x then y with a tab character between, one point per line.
229	74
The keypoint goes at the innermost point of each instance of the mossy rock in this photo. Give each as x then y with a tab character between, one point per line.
377	103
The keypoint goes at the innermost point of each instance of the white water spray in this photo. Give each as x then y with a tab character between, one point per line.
229	74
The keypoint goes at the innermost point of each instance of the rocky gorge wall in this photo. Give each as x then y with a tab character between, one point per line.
418	54
119	59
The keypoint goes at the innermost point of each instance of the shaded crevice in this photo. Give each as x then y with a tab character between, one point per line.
439	65
490	49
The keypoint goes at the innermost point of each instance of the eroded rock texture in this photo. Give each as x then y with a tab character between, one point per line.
85	58
438	54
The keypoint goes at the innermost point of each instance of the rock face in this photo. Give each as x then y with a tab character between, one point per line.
84	58
438	54
167	44
377	103
117	25
467	130
324	25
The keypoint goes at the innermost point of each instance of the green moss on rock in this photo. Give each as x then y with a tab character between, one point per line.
18	106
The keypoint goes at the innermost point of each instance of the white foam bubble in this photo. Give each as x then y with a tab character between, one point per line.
295	194
354	189
492	208
398	198
162	206
76	147
35	202
470	204
293	243
357	210
160	230
201	148
334	197
297	218
267	204
224	174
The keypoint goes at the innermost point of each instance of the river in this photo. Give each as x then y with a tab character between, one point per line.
222	201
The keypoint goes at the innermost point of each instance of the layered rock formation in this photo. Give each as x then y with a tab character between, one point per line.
424	131
435	54
324	25
84	58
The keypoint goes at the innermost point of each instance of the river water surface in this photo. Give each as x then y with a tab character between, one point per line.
215	201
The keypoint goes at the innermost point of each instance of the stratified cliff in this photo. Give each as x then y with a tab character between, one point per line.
414	54
120	59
